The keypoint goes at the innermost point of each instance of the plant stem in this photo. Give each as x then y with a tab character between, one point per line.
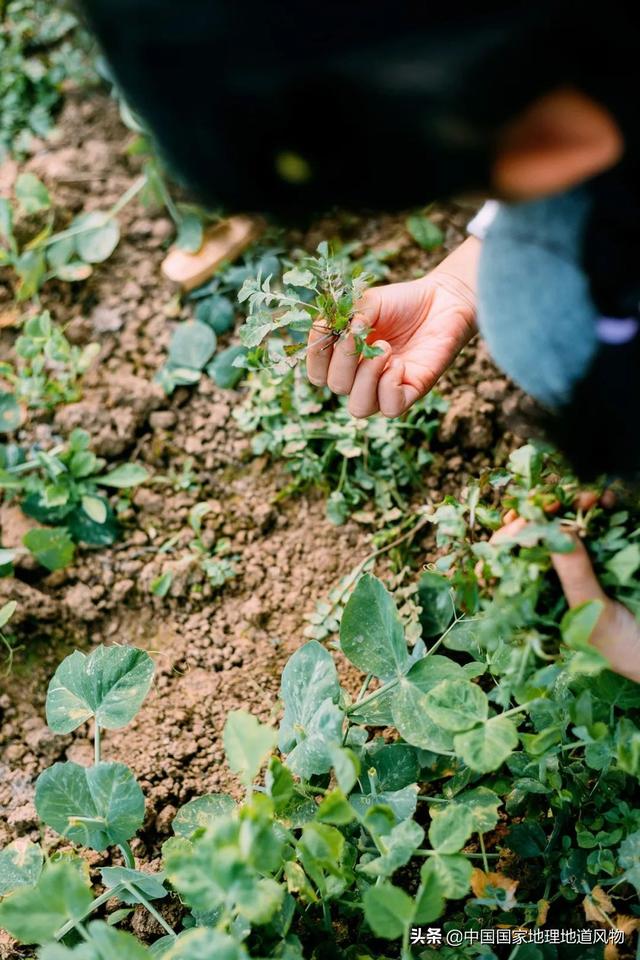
389	685
520	709
127	853
157	916
135	188
70	924
376	553
421	852
96	742
484	852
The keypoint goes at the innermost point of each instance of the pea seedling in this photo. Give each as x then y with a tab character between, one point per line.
332	838
64	489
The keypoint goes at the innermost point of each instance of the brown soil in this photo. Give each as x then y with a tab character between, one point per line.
215	650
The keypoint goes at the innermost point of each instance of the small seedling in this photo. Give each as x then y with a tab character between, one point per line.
68	254
355	461
64	488
48	370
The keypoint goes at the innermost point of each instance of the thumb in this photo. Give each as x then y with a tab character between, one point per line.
576	575
394	395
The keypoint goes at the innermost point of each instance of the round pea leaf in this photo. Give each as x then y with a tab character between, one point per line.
456	704
108	684
52	547
192	345
11	413
74	271
95	806
20	865
247	743
201	812
388	910
99	237
218	312
451	827
410	717
203	942
103	940
453	873
31	193
223	370
434	593
485	748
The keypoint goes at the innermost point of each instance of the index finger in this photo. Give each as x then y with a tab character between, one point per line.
319	351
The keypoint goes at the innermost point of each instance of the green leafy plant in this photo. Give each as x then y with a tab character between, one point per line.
193	349
351	839
353	460
323	289
64	488
48	370
42	50
67	254
215	560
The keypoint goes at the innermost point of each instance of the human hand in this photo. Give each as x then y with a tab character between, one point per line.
617	632
420	326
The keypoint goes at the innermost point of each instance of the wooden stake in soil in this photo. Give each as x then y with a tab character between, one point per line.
222	243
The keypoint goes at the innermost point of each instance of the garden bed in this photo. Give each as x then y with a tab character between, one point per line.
216	649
